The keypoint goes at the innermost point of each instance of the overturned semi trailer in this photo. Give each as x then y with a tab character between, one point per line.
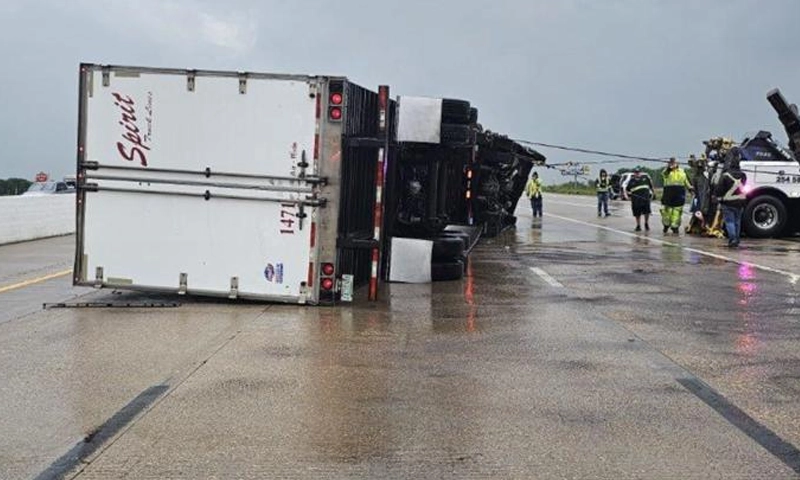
451	179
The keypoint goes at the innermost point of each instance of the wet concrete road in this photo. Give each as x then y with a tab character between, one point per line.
575	349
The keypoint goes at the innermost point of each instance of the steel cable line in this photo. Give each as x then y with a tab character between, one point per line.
627	158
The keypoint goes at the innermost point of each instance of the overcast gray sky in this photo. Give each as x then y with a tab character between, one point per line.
644	77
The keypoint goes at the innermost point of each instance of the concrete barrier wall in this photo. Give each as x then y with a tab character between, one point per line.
27	217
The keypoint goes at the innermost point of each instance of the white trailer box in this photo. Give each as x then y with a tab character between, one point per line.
220	183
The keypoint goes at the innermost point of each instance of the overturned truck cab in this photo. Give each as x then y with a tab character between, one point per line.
451	179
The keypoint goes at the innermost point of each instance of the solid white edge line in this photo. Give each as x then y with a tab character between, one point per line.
546	277
793	277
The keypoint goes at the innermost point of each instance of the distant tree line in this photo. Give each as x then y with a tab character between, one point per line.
14	186
586	185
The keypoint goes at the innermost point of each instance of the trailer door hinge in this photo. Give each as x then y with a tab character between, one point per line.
183	284
303	294
98	277
303	164
301	214
234	293
106	76
242	83
190	78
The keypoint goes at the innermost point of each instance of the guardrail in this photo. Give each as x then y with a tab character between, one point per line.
28	217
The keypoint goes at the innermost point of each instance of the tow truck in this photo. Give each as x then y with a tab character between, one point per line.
773	175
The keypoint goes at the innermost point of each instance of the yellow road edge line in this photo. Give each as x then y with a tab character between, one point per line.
34	281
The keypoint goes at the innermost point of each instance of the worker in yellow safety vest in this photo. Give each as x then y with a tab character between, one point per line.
674	196
533	190
603	187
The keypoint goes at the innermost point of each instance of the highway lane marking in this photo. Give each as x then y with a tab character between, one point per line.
761	434
793	277
95	440
655	212
34	281
546	277
560	202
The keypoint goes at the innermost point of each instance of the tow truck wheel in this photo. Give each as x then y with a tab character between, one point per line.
764	216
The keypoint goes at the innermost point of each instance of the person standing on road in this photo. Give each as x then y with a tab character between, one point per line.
534	192
640	191
674	197
702	195
603	187
732	197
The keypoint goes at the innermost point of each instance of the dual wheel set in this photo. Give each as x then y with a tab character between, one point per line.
450	251
450	248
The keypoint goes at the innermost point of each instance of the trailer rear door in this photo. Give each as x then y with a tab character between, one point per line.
198	182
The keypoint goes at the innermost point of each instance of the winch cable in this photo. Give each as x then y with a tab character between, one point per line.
623	158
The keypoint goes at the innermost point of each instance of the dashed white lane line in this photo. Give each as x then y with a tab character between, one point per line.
546	277
793	277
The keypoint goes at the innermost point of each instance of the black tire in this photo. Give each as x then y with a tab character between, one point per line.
455	111
456	234
447	248
456	135
464	240
473	116
765	216
445	271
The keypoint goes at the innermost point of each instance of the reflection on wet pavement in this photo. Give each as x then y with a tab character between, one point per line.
498	375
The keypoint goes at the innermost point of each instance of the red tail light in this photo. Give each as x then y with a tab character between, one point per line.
469	174
469	194
336	99
327	284
327	269
335	113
